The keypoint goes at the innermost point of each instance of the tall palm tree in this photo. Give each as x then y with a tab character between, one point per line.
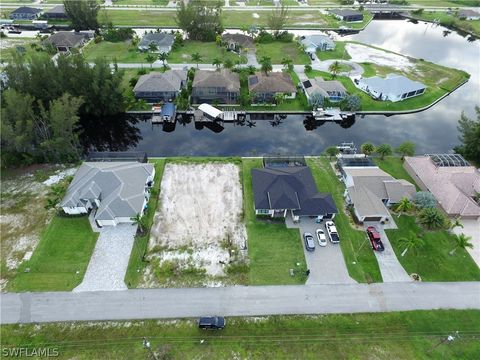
197	58
384	150
266	64
411	242
152	47
217	63
150	59
456	223
334	69
462	241
404	205
163	57
287	63
140	221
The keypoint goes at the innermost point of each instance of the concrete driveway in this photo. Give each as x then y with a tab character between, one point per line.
390	267
326	264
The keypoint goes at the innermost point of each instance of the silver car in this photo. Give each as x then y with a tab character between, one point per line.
322	239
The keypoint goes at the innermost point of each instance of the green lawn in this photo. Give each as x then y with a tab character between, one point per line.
433	262
272	248
451	21
65	247
359	258
140	246
394	335
394	166
208	50
122	52
338	53
277	51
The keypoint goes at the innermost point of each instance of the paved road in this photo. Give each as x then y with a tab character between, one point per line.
236	301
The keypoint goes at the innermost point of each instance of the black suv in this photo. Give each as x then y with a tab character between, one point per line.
212	323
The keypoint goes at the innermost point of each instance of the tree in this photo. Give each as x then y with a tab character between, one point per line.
152	47
266	64
384	150
244	29
316	100
334	69
307	68
456	223
406	148
218	40
424	200
352	103
432	219
163	58
196	58
150	59
462	241
411	242
83	14
332	151
135	40
287	64
278	19
228	63
469	130
217	63
367	148
200	19
141	221
279	98
404	205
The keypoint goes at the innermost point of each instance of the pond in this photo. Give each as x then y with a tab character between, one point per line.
433	130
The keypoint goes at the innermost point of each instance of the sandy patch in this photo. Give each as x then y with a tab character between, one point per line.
60	175
255	16
362	54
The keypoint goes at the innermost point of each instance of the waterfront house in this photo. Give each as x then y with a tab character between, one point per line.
162	41
279	191
25	13
64	41
467	14
347	15
391	88
265	87
157	86
113	192
333	90
314	43
56	13
237	42
451	180
221	87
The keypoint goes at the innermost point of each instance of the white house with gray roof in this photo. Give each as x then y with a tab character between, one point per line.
314	43
333	90
113	191
157	86
162	41
391	88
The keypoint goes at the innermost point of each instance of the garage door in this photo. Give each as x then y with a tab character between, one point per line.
372	218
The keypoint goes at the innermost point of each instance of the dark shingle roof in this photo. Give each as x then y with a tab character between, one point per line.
242	40
290	188
345	12
217	79
275	82
66	39
26	10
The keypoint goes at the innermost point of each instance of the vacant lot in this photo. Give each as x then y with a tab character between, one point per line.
198	229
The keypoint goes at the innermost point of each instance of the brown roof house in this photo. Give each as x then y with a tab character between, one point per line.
452	181
156	86
238	42
66	40
215	87
333	90
265	87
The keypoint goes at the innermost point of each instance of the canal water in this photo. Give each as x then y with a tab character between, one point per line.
433	130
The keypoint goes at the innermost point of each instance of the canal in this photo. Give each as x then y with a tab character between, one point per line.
433	130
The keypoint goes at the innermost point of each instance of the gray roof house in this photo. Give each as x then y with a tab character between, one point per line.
391	88
163	41
57	12
332	90
114	191
347	15
25	13
314	43
468	14
278	190
222	87
265	87
371	191
237	42
66	40
156	86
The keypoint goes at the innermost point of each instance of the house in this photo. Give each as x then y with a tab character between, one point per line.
278	191
371	190
347	15
333	90
222	87
238	42
314	43
162	41
450	179
113	191
265	87
391	88
25	13
156	86
56	13
66	40
467	14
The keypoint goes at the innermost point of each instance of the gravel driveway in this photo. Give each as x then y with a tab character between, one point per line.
107	267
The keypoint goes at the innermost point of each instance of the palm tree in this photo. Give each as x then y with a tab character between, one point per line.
287	64
431	218
163	57
384	150
411	242
462	241
140	221
244	29
404	205
334	69
367	148
135	40
196	57
152	47
217	63
251	69
228	64
279	98
331	151
456	223
266	64
150	59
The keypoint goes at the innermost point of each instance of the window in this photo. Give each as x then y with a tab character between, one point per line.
263	211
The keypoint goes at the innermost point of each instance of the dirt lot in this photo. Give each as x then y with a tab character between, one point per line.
198	231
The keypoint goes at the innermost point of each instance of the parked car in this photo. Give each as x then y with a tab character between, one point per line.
212	323
332	232
375	239
322	239
309	243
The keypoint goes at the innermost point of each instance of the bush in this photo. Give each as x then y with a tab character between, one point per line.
284	36
424	200
142	71
118	34
433	219
351	103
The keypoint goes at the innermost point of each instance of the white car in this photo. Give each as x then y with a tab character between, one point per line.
332	232
322	239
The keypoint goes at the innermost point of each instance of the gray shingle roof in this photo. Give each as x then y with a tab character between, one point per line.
162	40
325	88
275	82
217	79
120	187
242	40
345	12
392	83
170	80
59	9
66	39
317	40
26	10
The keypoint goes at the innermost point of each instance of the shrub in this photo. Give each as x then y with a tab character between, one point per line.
424	200
97	39
433	219
118	34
